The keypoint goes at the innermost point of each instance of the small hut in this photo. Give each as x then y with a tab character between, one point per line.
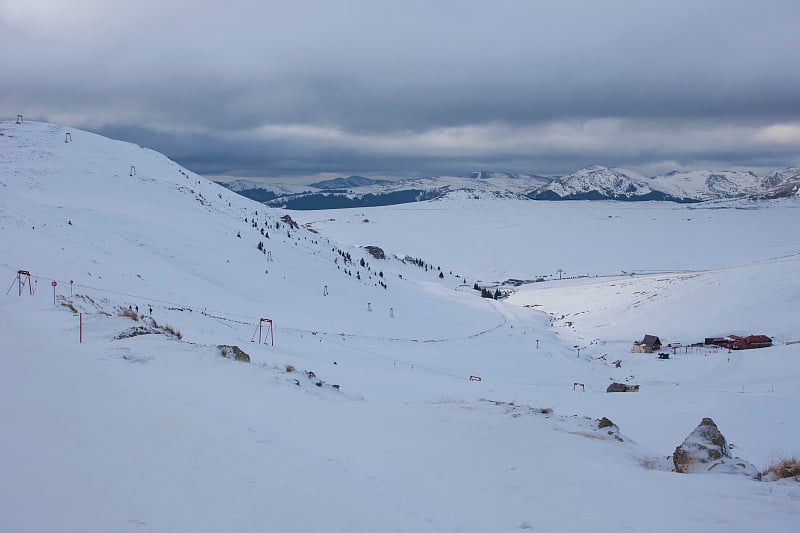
622	387
649	344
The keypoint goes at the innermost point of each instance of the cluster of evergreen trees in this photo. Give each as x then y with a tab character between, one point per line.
486	293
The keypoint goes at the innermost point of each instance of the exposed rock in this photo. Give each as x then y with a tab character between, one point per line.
376	252
605	423
238	353
288	220
706	450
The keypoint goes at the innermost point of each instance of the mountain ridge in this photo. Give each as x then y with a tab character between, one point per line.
593	182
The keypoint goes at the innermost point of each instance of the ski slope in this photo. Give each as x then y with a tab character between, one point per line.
155	433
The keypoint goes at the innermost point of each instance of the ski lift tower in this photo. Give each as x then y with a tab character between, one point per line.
24	277
261	330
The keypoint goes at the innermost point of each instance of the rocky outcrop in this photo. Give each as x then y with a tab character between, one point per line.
376	252
705	450
238	354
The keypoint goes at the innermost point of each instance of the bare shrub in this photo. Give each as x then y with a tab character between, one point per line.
87	298
290	368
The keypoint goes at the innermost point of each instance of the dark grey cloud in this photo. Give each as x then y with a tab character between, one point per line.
267	88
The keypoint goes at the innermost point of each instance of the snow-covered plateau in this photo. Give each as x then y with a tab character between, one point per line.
385	394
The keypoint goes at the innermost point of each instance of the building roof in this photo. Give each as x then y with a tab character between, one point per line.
650	340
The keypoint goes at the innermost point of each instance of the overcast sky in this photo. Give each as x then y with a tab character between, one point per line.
412	88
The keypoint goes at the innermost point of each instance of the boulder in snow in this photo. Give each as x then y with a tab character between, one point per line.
705	450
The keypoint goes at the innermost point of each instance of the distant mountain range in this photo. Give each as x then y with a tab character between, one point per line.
590	183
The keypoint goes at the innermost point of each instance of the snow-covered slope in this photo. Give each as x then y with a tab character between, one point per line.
344	183
278	188
393	399
782	183
599	183
708	185
781	177
350	192
78	213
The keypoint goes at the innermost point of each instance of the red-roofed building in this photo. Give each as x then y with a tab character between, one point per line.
747	343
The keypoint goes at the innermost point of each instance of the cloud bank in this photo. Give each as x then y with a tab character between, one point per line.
363	87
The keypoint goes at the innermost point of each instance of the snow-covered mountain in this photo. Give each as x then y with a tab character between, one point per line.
365	192
378	377
782	183
590	183
708	185
599	183
344	183
781	177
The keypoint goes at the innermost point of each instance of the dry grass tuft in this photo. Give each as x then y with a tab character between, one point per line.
69	306
129	313
290	368
782	469
169	329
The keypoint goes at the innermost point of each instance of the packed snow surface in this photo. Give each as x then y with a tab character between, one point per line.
394	397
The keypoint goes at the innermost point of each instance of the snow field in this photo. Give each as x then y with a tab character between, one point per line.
156	434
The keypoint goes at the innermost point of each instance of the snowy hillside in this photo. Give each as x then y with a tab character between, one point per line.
344	183
709	185
281	188
365	192
783	183
781	177
394	397
599	183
